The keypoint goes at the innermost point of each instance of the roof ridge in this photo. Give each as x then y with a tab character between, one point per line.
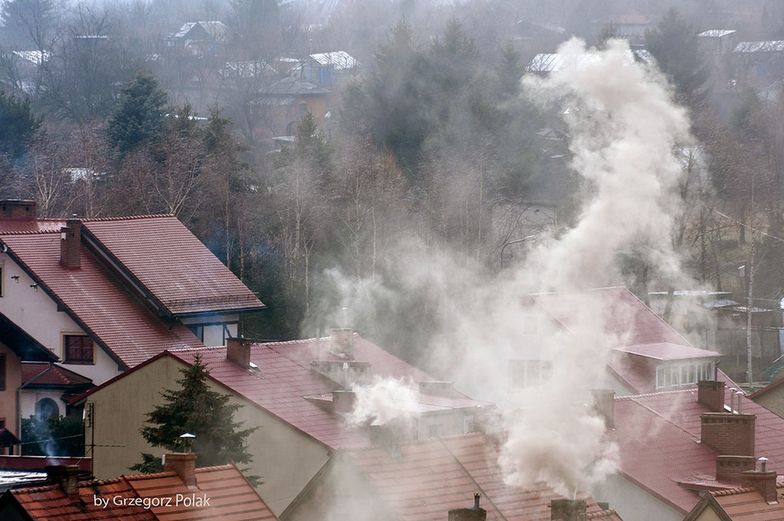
732	491
128	217
29	232
633	397
155	475
212	468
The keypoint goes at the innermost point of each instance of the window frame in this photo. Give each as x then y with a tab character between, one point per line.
67	360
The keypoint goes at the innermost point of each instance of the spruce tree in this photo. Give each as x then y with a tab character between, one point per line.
18	125
138	119
195	408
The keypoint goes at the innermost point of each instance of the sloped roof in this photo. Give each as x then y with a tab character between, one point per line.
216	29
658	436
426	479
96	300
747	504
764	46
172	264
666	351
716	33
340	60
30	226
231	498
286	378
36	374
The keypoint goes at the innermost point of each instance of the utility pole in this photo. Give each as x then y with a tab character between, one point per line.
750	290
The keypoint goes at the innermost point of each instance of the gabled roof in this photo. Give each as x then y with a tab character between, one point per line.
171	263
231	497
716	33
287	386
25	346
41	374
216	29
764	46
426	479
658	436
747	504
340	60
96	300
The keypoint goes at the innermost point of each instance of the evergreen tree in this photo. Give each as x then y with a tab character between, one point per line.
674	45
138	119
195	408
18	125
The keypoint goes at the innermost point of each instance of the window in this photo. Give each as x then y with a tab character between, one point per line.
78	349
469	424
2	372
524	373
198	330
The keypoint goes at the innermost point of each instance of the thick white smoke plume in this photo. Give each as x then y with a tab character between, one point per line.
384	400
624	128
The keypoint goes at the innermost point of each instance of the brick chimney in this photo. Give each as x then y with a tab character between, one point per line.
18	209
70	244
476	513
343	401
730	434
238	351
604	405
183	464
731	468
711	394
343	342
568	510
67	476
763	480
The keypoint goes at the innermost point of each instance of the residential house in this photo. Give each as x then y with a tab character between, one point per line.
717	41
329	69
16	347
675	446
771	396
761	500
759	63
104	295
48	388
295	393
200	38
629	26
176	494
419	481
289	100
646	353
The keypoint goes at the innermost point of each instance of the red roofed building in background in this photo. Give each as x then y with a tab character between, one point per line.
749	503
104	295
296	393
421	481
181	493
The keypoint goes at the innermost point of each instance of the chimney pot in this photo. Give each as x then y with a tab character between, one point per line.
568	510
763	480
18	209
469	514
711	394
67	476
238	351
71	244
183	464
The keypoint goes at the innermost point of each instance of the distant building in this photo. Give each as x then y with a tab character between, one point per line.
762	498
329	69
203	37
717	41
297	393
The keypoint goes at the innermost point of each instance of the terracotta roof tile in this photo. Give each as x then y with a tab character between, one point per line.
41	373
747	504
231	497
426	479
122	324
658	435
285	378
172	264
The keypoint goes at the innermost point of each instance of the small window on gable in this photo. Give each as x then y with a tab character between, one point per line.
79	349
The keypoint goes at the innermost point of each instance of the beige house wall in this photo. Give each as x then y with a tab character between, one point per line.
284	458
8	397
708	515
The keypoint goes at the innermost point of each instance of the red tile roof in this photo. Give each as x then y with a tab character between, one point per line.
42	374
285	379
231	498
172	264
24	226
96	300
658	435
426	479
747	504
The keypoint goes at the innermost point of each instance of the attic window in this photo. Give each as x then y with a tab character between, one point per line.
79	349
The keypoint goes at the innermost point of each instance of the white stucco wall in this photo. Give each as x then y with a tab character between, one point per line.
634	503
28	398
35	312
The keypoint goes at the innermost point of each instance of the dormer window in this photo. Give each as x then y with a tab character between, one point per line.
684	373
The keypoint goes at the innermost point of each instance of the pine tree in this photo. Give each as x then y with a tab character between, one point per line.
138	119
18	125
195	408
